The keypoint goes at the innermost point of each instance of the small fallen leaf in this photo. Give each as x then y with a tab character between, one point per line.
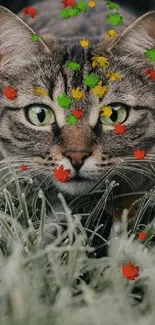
91	80
99	60
10	93
106	111
74	66
130	272
100	91
142	235
119	128
151	74
111	34
62	175
35	37
85	43
140	154
31	11
23	167
78	112
77	93
92	3
71	119
64	101
68	3
114	76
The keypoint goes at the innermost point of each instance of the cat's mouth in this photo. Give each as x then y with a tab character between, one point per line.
78	178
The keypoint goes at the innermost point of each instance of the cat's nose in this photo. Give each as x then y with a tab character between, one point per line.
77	158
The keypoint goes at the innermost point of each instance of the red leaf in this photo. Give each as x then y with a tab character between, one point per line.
62	175
151	73
31	11
140	154
142	235
119	128
10	93
77	112
129	271
23	167
68	3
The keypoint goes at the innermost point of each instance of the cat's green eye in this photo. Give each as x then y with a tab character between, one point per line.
119	115
40	116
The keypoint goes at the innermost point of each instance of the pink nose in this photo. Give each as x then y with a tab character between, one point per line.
77	158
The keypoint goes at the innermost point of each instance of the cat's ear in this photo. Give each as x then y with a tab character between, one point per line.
17	48
139	36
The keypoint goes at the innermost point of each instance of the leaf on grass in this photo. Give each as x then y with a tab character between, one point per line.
23	167
140	154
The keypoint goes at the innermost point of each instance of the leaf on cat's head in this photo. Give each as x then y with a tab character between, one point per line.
85	43
114	76
74	66
82	6
16	43
64	101
77	93
10	93
119	128
31	11
111	33
91	80
68	3
92	3
150	54
115	19
112	5
78	112
100	91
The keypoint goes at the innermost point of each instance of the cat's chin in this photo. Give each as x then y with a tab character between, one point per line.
74	187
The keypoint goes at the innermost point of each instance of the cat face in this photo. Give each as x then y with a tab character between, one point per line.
36	128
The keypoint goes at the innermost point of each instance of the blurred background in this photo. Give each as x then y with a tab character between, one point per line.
137	7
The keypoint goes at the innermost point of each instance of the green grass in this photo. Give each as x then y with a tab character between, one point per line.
48	273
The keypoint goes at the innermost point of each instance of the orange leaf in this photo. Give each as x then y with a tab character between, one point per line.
62	175
129	271
119	128
77	112
31	11
23	167
151	73
142	235
10	93
68	3
140	154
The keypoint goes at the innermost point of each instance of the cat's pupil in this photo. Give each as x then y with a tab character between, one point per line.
41	115
114	116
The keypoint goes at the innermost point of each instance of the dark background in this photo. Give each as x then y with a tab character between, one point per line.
137	6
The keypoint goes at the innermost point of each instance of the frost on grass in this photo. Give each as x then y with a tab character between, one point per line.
48	271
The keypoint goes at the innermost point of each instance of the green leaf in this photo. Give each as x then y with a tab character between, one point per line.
64	13
71	119
91	80
82	6
74	66
115	19
64	101
150	54
112	5
35	37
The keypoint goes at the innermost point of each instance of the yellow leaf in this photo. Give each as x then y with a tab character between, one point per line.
100	91
77	93
99	60
106	111
40	91
92	3
114	76
85	43
111	33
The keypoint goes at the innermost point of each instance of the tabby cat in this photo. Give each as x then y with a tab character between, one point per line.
35	128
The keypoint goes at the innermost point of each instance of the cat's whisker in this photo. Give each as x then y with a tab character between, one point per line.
126	179
137	170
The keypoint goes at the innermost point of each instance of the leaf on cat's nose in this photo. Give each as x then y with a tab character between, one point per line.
92	80
151	73
78	113
62	175
77	93
23	167
99	60
115	19
111	34
150	54
85	43
64	101
71	119
92	3
119	128
114	76
112	5
31	11
100	91
106	111
140	154
130	272
10	93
